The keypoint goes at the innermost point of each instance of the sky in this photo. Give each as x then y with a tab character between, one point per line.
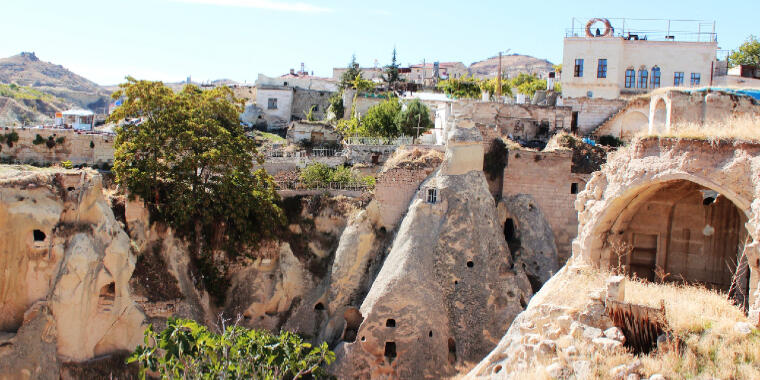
105	40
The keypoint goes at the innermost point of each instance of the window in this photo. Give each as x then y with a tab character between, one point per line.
643	76
272	104
601	69
678	78
574	188
432	196
695	79
578	73
630	78
315	107
655	77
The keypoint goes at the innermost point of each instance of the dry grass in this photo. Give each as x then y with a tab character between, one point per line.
413	157
744	128
702	321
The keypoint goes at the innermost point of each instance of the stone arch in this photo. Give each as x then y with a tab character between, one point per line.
633	122
659	114
654	173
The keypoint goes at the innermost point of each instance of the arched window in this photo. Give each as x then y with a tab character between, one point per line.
643	77
630	78
655	77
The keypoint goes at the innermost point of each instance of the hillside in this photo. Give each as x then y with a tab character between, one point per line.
511	64
48	86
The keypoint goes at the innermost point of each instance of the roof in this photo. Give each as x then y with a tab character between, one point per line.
78	112
440	64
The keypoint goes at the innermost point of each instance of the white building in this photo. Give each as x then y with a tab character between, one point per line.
606	59
276	104
76	118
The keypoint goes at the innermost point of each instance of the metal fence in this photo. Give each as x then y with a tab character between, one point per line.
359	140
298	185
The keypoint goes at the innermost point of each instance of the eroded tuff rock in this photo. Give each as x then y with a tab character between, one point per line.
448	289
66	264
530	238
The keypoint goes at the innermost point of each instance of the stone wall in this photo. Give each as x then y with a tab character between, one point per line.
524	121
673	107
304	100
77	147
592	111
394	190
547	177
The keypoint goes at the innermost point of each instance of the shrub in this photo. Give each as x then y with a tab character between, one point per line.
609	140
188	350
38	140
67	164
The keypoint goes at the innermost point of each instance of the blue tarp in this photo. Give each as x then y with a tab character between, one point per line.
751	92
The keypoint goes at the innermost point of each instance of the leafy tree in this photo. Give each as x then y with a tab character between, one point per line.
528	84
353	71
464	87
336	106
315	174
351	127
490	86
380	119
747	54
391	72
191	162
557	68
415	114
188	350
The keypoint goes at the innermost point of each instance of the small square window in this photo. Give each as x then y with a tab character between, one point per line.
678	78
432	196
272	103
695	79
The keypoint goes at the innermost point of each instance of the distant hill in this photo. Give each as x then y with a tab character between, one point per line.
41	88
512	65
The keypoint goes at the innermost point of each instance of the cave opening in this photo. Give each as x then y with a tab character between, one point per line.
452	351
354	319
390	322
680	231
390	351
39	235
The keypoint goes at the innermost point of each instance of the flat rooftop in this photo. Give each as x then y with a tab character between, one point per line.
644	29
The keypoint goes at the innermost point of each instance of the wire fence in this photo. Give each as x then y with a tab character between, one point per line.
298	185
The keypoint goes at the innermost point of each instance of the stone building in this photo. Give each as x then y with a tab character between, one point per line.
278	101
621	60
428	74
313	131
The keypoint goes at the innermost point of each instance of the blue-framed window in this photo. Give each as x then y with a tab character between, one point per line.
678	78
695	79
656	77
630	78
578	71
643	78
601	68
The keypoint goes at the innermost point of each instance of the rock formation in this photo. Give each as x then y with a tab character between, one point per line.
66	264
448	289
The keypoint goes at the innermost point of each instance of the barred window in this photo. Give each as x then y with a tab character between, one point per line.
432	195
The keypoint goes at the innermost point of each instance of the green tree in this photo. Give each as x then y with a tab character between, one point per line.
315	174
414	114
528	84
346	80
391	72
489	86
380	119
747	54
191	162
464	87
336	106
188	350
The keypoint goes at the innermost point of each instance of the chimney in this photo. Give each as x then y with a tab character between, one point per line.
292	71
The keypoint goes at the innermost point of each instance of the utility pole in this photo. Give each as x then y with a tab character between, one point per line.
498	80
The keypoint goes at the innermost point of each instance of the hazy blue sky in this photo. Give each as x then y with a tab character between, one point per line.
104	40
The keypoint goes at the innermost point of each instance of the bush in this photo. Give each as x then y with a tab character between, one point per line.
609	140
9	138
188	350
495	160
319	174
67	164
38	140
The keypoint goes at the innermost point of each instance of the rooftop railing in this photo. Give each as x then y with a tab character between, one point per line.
646	29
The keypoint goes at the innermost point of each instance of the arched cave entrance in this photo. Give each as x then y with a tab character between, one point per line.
678	231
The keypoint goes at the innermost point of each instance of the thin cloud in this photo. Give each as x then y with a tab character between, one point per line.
262	4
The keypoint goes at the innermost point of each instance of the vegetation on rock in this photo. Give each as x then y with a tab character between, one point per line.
188	350
318	175
191	162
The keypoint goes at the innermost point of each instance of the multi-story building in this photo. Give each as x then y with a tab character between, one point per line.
607	59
